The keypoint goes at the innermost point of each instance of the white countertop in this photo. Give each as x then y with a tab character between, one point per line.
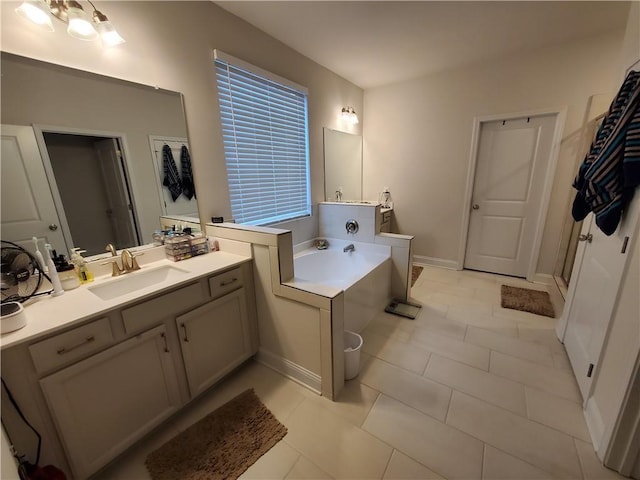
49	314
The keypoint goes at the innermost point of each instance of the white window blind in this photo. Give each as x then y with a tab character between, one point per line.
265	133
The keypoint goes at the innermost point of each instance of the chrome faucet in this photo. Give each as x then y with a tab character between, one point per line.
349	248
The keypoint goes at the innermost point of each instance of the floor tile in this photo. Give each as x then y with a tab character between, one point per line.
499	465
433	286
556	412
470	316
353	403
541	336
420	393
275	464
497	390
442	325
391	326
402	467
538	376
336	446
444	450
492	296
478	282
592	467
448	299
398	353
441	275
561	362
532	442
511	346
537	321
305	469
452	348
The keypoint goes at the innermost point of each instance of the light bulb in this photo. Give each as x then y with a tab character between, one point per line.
110	37
37	12
79	25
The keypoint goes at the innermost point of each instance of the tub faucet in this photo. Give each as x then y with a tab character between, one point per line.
349	248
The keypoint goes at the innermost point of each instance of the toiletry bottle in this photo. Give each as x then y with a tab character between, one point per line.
80	263
53	273
41	263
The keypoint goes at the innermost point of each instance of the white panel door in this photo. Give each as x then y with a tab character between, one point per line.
596	292
27	207
120	212
512	161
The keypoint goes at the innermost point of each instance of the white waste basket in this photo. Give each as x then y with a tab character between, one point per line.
352	347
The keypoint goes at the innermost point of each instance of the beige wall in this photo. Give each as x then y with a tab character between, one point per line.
170	44
417	138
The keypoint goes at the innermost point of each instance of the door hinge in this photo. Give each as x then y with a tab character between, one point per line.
625	242
590	371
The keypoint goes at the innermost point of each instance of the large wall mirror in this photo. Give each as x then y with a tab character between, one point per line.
342	165
84	157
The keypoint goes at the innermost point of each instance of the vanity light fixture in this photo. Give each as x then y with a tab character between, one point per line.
349	114
80	24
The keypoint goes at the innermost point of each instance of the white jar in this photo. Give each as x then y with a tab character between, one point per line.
68	277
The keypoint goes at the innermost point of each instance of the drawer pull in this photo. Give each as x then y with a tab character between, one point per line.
166	346
63	350
184	327
224	284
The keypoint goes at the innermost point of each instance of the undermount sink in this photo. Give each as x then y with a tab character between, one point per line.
137	280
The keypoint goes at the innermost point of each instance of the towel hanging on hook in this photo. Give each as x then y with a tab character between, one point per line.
171	177
188	187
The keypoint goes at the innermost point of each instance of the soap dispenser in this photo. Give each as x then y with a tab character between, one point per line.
84	274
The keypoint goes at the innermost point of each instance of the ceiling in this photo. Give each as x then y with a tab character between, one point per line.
381	42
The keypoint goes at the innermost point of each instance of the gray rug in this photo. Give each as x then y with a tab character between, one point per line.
526	300
222	445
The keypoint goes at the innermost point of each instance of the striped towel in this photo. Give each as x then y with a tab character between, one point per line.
171	177
188	188
610	172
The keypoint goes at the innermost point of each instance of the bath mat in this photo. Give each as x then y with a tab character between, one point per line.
526	300
415	273
221	445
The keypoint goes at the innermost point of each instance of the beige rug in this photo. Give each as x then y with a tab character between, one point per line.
526	300
222	445
415	273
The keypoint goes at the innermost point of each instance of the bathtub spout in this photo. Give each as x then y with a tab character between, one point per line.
349	248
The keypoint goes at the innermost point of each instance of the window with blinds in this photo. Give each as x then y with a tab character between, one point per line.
264	127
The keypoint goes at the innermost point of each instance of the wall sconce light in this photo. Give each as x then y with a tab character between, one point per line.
349	114
80	25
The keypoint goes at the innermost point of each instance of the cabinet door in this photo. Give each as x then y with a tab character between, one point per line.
103	404
215	338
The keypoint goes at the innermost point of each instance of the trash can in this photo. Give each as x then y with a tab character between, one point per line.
352	346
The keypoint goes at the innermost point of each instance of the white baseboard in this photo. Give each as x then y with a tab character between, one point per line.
543	278
595	425
436	262
291	370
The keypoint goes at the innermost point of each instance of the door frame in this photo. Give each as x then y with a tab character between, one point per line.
560	118
40	130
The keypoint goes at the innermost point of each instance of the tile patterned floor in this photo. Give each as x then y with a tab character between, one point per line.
467	390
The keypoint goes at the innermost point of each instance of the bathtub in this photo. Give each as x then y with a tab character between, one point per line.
364	275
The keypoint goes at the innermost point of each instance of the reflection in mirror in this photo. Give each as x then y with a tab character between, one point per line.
342	166
82	157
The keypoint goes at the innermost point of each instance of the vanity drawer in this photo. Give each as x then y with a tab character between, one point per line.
151	312
225	282
69	346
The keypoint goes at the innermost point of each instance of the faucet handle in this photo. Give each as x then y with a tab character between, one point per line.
134	262
115	268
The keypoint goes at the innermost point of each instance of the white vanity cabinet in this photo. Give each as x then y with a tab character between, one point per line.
214	339
94	389
103	404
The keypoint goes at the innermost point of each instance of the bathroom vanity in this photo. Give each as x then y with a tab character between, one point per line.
101	366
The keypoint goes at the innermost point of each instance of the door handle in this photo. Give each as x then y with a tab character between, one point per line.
53	227
475	206
586	238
